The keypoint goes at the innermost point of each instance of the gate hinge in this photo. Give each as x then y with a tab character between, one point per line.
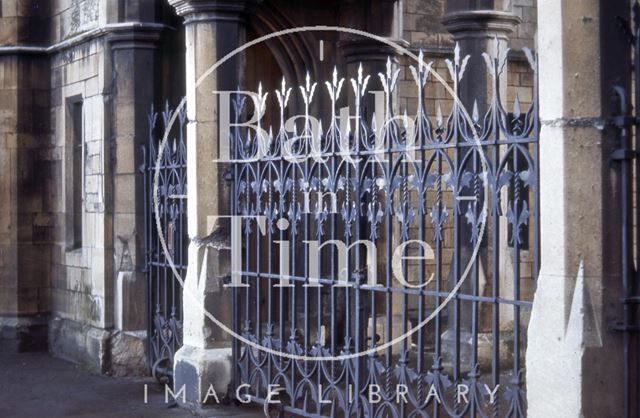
623	154
630	300
619	326
623	121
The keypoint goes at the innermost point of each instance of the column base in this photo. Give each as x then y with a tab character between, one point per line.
204	376
485	351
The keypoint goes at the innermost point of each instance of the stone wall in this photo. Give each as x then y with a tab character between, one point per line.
54	55
82	287
25	166
98	300
526	31
423	30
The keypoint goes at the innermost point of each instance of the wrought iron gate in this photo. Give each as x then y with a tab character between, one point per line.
416	184
164	297
627	156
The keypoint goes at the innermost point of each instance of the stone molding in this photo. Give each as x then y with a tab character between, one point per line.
139	36
474	23
119	31
195	11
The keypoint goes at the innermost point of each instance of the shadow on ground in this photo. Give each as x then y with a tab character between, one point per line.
38	385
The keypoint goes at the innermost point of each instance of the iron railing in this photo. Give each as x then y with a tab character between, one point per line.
164	297
459	307
628	163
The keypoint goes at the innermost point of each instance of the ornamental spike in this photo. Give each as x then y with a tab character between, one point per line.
416	75
516	107
475	117
456	54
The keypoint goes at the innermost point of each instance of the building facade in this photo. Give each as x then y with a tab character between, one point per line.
81	266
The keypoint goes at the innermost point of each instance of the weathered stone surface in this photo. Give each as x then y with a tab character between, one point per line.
128	354
85	345
485	351
197	370
131	304
569	372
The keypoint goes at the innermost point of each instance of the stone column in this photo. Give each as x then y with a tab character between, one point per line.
383	19
574	364
27	226
477	27
213	29
132	58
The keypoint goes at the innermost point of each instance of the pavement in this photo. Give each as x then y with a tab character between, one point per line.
34	385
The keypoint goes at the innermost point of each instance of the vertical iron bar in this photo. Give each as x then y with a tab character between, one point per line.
627	243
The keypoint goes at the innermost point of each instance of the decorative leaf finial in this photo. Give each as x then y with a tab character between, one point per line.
497	62
421	75
308	90
360	84
335	86
283	94
456	68
516	107
389	79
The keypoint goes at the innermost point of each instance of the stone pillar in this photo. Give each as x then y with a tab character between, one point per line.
132	58
27	226
574	364
213	29
477	27
383	19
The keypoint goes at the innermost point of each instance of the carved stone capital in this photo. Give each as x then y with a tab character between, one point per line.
136	35
213	10
480	23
